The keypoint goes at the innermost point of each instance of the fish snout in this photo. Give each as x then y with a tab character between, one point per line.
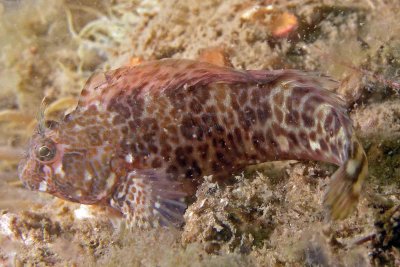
28	175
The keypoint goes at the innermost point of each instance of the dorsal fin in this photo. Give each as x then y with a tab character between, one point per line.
157	77
170	74
93	88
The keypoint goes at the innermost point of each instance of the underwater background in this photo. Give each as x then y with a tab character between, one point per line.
273	214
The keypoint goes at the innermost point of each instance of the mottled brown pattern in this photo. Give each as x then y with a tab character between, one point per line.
141	136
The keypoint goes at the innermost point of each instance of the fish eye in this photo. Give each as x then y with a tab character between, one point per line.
46	152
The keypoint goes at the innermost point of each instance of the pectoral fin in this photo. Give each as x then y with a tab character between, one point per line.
148	199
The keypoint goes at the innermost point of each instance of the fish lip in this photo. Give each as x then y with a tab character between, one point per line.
25	174
30	176
30	183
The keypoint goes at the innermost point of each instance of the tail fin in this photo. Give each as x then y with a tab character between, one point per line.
345	186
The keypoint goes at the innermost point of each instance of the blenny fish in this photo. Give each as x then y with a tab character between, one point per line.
142	138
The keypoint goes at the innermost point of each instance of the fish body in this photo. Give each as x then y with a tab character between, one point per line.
142	137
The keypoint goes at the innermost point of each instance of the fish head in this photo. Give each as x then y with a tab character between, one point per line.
66	169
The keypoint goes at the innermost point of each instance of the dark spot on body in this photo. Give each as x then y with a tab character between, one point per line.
196	169
255	96
172	130
216	166
141	149
124	111
264	112
203	150
118	119
172	169
126	147
69	162
211	109
191	128
270	140
234	103
232	144
136	105
222	158
150	125
188	150
230	138
125	130
219	129
292	118
149	137
332	123
243	97
247	117
181	156
222	143
152	148
112	104
304	139
313	136
166	151
195	106
328	122
323	145
156	163
258	141
311	104
209	119
238	135
308	121
135	124
277	129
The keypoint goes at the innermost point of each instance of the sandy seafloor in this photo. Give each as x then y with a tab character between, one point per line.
273	214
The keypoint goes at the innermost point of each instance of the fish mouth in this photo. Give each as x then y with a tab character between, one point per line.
30	177
24	174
